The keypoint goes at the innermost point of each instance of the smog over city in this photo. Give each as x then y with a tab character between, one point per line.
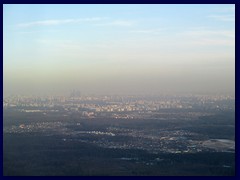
119	90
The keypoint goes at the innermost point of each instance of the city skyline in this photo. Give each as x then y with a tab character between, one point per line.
128	49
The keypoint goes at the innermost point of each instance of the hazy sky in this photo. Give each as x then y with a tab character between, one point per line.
119	48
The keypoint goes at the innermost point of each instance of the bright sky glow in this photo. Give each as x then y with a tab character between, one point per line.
119	48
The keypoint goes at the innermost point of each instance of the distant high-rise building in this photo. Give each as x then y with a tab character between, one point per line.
75	94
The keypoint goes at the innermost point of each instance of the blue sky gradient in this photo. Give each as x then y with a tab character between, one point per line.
119	49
